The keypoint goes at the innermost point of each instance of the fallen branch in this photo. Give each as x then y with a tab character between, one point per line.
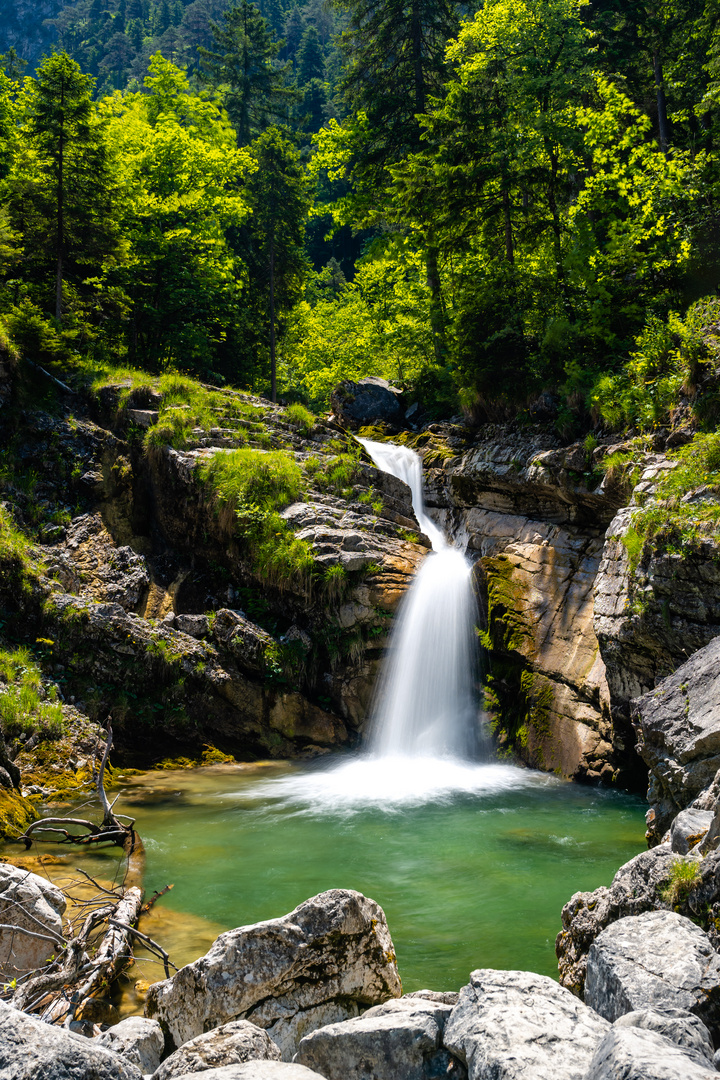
155	897
149	942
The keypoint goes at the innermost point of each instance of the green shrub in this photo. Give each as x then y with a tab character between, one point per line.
24	706
335	582
251	487
301	418
683	876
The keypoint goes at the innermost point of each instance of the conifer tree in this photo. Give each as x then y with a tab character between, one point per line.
242	65
72	185
277	193
310	60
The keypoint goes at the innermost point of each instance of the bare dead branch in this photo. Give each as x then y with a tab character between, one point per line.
149	942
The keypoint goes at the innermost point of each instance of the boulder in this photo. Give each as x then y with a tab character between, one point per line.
258	1070
30	1049
401	1038
31	904
678	728
628	1053
136	1039
366	402
689	828
680	1027
516	1025
655	960
319	964
231	1044
635	889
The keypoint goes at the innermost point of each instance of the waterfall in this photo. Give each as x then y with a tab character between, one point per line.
424	704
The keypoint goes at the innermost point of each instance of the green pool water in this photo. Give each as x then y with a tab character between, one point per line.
472	869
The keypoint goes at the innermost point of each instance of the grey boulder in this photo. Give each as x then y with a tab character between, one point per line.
678	726
402	1038
689	828
231	1044
258	1070
35	907
635	1054
680	1027
368	401
30	1049
138	1040
516	1025
321	963
655	960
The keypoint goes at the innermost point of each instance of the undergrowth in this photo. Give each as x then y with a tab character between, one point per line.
25	705
683	875
686	508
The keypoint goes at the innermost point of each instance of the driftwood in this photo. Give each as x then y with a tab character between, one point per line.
87	963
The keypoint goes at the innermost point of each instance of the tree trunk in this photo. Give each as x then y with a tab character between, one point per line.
416	34
273	372
663	125
437	311
509	245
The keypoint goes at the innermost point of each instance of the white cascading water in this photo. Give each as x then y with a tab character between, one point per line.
424	730
424	704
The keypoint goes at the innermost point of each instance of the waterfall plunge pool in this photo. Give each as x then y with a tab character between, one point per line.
471	863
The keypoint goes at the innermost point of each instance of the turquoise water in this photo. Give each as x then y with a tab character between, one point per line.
471	869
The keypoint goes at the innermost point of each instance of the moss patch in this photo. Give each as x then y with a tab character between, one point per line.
16	813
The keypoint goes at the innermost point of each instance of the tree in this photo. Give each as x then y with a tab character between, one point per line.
242	66
12	64
72	188
395	54
310	60
277	193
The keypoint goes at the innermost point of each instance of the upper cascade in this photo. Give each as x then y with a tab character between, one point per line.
425	702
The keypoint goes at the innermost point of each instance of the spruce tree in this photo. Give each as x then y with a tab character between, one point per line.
73	171
310	59
242	66
277	193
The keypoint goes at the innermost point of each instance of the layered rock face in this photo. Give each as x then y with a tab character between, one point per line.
534	516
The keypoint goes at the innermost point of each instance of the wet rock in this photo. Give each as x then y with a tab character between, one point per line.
516	1025
319	964
678	726
366	402
634	890
636	1054
30	1049
401	1038
654	960
230	1044
137	1039
689	828
28	902
677	1025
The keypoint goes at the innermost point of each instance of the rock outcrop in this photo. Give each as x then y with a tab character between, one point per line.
321	963
34	908
30	1049
515	1024
230	1044
680	1027
366	402
636	888
655	960
636	1054
678	729
136	1039
402	1038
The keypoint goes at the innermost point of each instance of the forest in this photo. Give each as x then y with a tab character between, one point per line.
507	208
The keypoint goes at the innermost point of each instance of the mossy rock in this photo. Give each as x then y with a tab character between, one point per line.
16	813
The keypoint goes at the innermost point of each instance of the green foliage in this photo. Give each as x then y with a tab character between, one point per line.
335	475
301	418
251	487
335	582
686	507
25	705
18	564
684	874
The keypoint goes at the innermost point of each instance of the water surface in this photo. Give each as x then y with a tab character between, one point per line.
472	864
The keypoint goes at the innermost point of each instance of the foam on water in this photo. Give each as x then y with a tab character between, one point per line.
390	783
